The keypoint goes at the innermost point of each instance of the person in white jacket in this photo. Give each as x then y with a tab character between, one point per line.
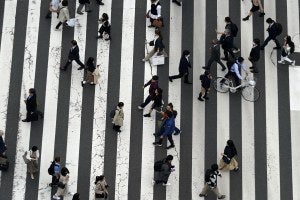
63	14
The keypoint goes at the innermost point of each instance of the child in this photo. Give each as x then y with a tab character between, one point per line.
205	85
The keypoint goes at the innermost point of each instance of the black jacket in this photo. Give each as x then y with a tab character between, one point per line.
255	54
74	53
31	104
226	41
158	45
272	31
184	65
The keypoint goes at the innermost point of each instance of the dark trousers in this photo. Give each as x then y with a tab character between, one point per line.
180	75
177	130
116	127
236	78
76	60
254	65
170	138
54	181
33	117
104	29
226	51
211	60
147	101
58	25
268	39
160	181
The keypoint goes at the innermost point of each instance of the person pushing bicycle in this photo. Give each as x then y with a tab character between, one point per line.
235	68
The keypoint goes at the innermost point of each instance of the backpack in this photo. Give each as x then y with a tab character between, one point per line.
112	113
158	165
207	175
234	30
51	168
278	28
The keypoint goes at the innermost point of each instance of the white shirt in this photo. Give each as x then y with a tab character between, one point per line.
235	68
158	9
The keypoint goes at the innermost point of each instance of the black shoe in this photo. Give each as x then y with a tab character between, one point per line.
187	82
222	197
202	195
236	169
82	84
251	67
42	115
151	26
107	39
101	3
246	18
277	48
25	120
88	11
80	13
223	58
177	133
176	2
147	115
48	17
254	71
261	14
80	68
157	144
206	97
200	99
171	146
206	68
262	48
170	79
224	68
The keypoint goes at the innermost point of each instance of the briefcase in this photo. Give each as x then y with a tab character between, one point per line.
157	60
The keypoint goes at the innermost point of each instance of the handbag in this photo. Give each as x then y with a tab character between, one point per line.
61	185
157	23
157	60
226	159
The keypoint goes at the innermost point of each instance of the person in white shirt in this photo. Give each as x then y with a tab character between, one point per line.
155	12
235	70
287	49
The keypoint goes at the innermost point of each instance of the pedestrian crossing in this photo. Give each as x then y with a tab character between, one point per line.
76	126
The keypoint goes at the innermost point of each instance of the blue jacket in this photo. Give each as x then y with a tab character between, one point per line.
169	126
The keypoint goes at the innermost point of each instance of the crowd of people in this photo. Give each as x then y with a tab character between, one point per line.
163	167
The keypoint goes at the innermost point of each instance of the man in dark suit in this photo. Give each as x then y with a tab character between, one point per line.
254	55
184	66
226	40
73	55
31	107
214	55
273	33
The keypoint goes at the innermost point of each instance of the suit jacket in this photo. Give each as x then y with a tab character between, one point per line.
31	104
272	31
74	53
255	54
184	65
215	52
226	41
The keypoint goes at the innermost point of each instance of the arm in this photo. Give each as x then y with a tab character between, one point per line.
236	71
260	6
158	8
147	84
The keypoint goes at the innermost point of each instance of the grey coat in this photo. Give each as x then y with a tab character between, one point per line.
119	117
165	172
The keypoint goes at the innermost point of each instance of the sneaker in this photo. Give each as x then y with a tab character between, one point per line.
202	195
143	60
170	79
56	197
246	18
31	176
281	62
80	13
171	146
166	184
177	133
200	99
236	50
140	107
101	3
157	144
147	115
222	197
293	63
224	68
236	169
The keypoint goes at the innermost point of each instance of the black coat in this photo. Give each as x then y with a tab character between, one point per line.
31	104
215	52
158	44
184	65
272	31
84	1
255	54
74	53
226	41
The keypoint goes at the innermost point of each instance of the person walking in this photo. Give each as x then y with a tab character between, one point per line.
153	85
256	6
63	14
254	55
53	7
211	176
101	191
205	85
287	49
73	55
76	196
157	101
31	158
31	107
54	170
274	30
228	160
62	184
90	68
175	113
155	12
105	27
184	66
118	117
214	55
167	130
86	4
158	48
165	168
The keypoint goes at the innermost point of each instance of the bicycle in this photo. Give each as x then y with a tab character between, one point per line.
248	89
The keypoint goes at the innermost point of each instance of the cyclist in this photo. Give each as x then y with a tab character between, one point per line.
235	70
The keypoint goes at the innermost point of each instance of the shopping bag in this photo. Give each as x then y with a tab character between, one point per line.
71	22
157	60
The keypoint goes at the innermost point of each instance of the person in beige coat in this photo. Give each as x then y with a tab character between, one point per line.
119	117
63	14
96	75
62	184
101	188
31	160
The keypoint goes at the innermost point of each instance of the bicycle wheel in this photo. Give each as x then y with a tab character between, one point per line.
221	84
250	93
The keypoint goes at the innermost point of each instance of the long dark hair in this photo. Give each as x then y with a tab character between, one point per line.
290	43
64	171
99	178
232	146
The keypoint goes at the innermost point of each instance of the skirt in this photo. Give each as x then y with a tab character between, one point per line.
227	167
